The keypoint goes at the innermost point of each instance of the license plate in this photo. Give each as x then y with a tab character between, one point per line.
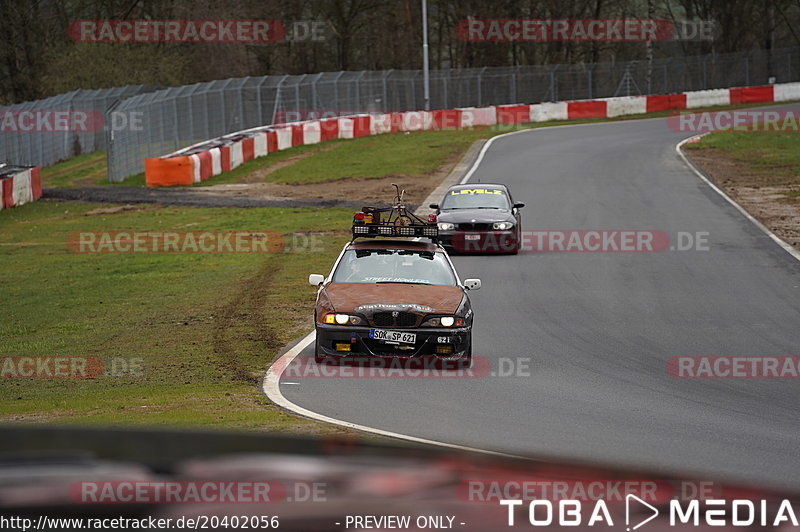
472	237
392	336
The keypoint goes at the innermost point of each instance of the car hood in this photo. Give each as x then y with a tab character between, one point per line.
479	215
367	298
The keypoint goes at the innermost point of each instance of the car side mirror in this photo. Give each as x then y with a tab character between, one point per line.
519	205
316	279
472	284
434	206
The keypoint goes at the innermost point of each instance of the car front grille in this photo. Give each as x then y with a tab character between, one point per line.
386	319
474	227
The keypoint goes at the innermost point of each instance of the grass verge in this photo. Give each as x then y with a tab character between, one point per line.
84	170
204	326
759	171
90	169
766	158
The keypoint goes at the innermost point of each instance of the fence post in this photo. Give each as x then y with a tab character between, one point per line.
314	97
243	124
260	108
277	97
480	89
705	74
413	106
385	102
554	84
177	123
358	106
190	114
444	89
224	121
513	82
297	92
336	90
747	70
206	113
109	134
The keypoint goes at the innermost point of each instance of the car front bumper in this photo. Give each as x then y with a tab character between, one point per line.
479	241
427	341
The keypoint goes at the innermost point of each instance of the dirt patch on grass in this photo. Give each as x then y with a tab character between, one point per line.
364	190
260	175
240	323
769	199
115	210
99	162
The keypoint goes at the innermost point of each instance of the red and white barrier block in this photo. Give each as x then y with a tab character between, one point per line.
19	185
202	161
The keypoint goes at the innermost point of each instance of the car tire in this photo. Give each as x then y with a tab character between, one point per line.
319	357
466	361
518	243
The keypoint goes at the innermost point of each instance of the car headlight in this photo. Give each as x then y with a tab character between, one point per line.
502	226
444	321
445	226
342	319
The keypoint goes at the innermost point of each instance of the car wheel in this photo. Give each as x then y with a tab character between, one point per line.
466	361
517	244
319	357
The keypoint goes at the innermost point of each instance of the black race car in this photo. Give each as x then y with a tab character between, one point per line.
479	218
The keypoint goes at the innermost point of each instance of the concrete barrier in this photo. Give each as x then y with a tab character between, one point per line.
626	105
199	162
787	91
19	185
545	112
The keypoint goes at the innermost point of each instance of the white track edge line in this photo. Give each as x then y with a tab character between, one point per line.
782	243
486	147
270	386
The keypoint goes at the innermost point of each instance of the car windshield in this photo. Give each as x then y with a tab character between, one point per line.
475	198
394	266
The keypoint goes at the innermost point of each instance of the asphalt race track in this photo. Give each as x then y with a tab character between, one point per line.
599	327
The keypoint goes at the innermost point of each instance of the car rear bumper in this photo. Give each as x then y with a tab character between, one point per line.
479	241
329	337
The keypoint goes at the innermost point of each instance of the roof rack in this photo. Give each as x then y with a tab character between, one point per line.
393	221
